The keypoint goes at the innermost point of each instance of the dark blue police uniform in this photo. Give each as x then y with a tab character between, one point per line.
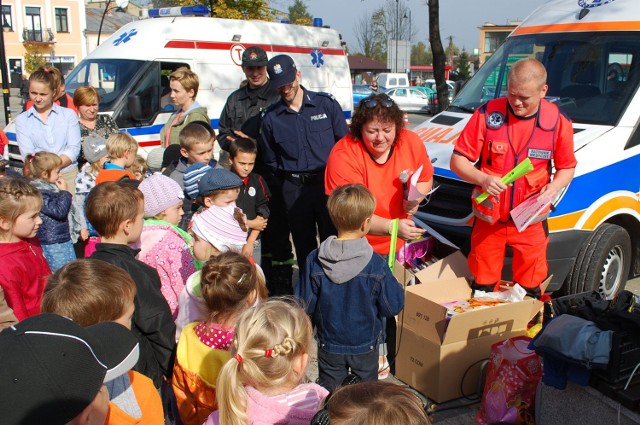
296	145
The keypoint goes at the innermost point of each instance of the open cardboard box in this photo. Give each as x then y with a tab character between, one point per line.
443	360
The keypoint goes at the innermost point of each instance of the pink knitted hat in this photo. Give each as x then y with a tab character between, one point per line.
160	193
218	226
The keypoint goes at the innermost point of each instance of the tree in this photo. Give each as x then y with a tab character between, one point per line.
370	36
463	66
439	58
421	55
34	57
231	9
298	13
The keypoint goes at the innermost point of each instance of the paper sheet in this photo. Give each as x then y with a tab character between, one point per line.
527	212
414	193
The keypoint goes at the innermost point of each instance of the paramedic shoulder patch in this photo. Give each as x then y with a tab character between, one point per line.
495	120
539	154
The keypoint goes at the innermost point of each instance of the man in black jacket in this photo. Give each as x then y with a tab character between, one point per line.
116	211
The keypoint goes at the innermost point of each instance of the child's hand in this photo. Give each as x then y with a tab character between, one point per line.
247	250
259	223
84	234
62	185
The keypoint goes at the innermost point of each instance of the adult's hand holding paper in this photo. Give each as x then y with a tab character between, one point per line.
530	211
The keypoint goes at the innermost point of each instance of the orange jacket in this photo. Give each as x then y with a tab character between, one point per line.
194	377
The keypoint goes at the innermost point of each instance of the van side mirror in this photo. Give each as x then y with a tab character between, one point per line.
134	104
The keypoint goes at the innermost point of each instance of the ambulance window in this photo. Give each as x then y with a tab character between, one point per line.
143	101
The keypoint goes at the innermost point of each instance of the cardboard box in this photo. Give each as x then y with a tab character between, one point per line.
443	360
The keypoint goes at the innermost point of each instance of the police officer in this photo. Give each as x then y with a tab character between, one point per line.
298	132
241	117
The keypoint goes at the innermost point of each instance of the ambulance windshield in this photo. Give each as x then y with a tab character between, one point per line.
111	77
591	76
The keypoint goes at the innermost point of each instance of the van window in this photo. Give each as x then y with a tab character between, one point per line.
591	78
110	77
135	91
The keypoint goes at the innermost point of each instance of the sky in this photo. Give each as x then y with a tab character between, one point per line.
458	18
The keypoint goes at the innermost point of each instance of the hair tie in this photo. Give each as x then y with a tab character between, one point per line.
268	353
238	357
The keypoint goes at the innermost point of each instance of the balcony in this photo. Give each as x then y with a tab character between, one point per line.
38	36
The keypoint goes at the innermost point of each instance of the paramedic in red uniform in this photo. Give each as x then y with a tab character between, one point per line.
501	134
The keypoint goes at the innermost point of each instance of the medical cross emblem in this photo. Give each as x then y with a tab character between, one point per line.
124	37
316	58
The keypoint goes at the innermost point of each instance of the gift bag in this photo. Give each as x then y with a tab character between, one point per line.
509	392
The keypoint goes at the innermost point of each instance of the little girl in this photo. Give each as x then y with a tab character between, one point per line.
163	245
262	383
229	284
94	147
54	235
24	271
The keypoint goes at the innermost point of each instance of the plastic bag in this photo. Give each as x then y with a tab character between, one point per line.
509	393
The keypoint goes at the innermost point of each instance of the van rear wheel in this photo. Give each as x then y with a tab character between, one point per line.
602	264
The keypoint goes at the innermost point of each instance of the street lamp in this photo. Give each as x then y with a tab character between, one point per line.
5	74
409	46
120	4
397	31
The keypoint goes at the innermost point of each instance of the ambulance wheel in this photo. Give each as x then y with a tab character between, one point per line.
602	264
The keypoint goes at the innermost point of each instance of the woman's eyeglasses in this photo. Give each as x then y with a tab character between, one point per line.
372	103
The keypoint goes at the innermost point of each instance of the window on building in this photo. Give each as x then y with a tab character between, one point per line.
493	40
33	24
62	23
6	18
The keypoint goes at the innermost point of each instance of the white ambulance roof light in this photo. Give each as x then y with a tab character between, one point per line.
179	11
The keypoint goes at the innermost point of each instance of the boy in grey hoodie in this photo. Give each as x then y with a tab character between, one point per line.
347	289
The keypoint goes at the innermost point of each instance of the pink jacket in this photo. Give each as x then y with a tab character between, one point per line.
164	249
263	410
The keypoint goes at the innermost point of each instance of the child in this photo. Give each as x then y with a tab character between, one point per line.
154	160
342	270
139	168
122	150
223	224
196	146
54	233
54	370
95	152
164	246
373	403
229	285
24	270
89	292
116	210
254	195
262	382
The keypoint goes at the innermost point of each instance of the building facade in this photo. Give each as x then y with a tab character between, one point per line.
52	30
492	36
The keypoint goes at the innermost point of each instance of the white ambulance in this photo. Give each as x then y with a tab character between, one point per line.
591	50
131	68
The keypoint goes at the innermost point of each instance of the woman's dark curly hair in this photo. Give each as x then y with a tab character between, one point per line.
363	115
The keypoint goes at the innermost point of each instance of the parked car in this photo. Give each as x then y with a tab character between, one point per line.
360	91
411	99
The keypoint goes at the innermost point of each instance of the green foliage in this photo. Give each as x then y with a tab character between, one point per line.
298	13
463	66
33	57
421	54
230	9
